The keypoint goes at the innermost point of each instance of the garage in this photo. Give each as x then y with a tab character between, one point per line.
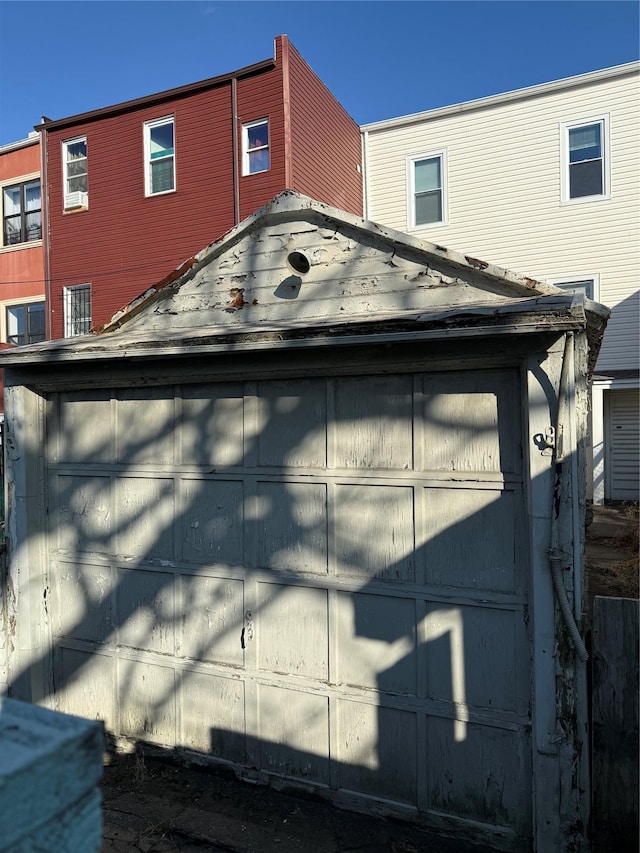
293	512
622	410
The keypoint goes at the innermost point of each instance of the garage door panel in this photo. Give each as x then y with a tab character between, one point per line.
294	733
372	426
146	613
82	601
212	711
376	646
81	513
374	532
470	422
292	424
289	522
148	439
147	701
212	429
85	685
80	428
292	633
210	616
470	538
485	776
378	751
476	657
212	521
144	508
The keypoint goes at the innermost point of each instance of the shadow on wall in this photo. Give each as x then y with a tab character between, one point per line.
261	572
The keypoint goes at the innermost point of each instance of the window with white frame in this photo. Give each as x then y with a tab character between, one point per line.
25	323
589	285
21	213
585	168
74	164
160	156
77	310
255	147
426	180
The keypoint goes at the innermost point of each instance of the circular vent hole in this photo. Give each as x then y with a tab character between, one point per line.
298	262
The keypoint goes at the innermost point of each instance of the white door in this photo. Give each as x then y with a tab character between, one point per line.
323	579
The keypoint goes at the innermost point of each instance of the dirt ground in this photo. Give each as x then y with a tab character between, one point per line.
155	805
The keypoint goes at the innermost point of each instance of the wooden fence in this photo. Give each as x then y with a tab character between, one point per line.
614	723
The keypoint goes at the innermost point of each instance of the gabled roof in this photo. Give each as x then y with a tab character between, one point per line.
300	272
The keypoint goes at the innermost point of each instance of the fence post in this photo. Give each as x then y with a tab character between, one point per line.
615	691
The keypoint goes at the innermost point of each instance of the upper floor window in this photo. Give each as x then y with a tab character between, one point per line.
585	167
21	213
427	190
74	161
77	310
589	285
255	147
159	155
25	323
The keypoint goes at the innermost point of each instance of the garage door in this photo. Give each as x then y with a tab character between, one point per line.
320	579
624	445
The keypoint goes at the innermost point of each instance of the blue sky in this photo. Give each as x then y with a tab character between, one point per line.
380	59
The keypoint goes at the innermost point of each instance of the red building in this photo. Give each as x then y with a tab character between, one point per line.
22	305
135	189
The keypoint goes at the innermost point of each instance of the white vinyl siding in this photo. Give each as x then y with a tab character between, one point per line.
505	197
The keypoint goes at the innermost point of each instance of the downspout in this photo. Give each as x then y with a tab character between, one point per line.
557	557
365	174
44	182
234	143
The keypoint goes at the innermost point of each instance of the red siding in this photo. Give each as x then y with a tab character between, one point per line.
253	104
325	141
125	242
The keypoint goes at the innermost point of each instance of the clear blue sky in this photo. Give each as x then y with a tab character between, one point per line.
380	59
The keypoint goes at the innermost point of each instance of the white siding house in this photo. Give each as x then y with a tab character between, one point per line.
544	181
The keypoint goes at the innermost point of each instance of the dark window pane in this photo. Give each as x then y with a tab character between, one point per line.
585	179
428	207
258	161
35	322
34	226
79	184
12	230
584	143
162	175
76	150
77	167
161	140
258	135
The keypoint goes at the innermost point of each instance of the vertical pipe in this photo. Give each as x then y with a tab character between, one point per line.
44	189
234	143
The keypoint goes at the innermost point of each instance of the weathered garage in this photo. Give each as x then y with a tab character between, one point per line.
313	508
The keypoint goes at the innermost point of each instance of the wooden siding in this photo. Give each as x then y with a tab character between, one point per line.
255	103
504	172
325	142
125	242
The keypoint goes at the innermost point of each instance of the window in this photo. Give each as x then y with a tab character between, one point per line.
159	154
25	323
21	213
77	310
74	160
426	190
585	169
589	285
255	147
